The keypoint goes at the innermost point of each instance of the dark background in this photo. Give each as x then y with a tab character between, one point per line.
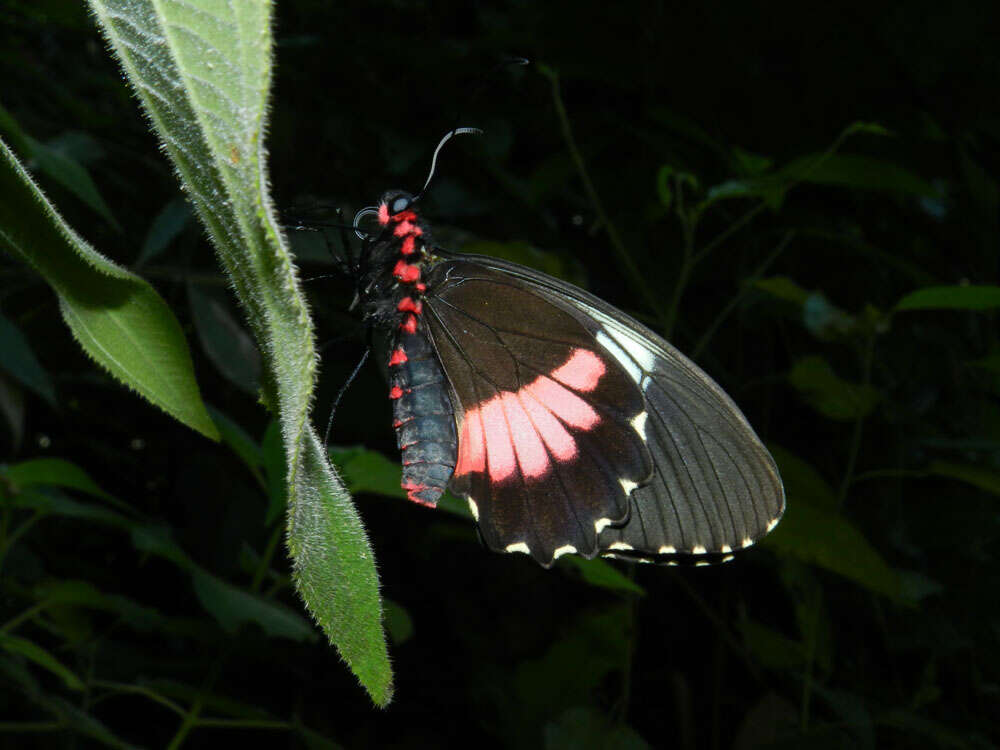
798	643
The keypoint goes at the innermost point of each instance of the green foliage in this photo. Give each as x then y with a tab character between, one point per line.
834	277
116	317
202	73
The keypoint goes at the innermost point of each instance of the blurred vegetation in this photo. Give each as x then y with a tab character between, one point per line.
807	205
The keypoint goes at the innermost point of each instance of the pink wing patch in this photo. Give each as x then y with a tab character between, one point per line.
527	429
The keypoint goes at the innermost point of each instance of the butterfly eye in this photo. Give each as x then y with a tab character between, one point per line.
400	204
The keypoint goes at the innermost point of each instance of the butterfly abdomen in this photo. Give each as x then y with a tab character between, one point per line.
423	418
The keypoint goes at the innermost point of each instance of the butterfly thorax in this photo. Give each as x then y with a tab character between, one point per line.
392	275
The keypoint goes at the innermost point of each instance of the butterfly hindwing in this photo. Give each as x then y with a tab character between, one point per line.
714	488
550	425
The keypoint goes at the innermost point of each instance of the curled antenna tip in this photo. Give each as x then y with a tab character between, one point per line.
370	210
448	136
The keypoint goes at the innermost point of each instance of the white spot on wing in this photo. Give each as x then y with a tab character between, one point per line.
622	546
639	424
728	558
639	352
702	563
747	541
698	550
628	485
609	344
772	523
601	523
518	547
667	550
725	548
566	549
473	508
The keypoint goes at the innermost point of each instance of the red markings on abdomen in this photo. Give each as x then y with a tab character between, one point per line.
526	430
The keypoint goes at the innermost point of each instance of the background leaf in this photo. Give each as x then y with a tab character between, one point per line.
17	358
968	297
116	317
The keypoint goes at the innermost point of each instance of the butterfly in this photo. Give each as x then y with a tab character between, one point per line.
568	426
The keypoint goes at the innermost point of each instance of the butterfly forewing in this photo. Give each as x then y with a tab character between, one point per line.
550	425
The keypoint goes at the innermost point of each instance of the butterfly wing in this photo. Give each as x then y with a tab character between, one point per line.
714	488
550	440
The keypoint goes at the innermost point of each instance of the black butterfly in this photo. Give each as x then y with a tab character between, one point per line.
568	426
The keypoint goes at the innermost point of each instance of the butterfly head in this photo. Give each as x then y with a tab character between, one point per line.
393	203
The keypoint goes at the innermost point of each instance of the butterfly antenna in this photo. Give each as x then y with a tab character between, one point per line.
448	136
340	395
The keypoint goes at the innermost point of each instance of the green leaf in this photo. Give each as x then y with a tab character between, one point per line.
239	441
860	126
224	340
228	604
73	176
829	394
824	320
664	179
11	129
984	479
398	622
32	651
77	720
51	500
990	363
751	164
232	607
827	540
601	574
84	594
371	472
17	358
117	317
783	288
12	409
802	482
960	297
167	225
211	701
587	727
202	70
157	540
850	170
53	472
771	648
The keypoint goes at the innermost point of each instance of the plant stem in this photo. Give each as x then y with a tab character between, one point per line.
810	659
190	720
27	614
729	232
265	560
245	724
728	309
720	626
119	687
852	457
631	269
